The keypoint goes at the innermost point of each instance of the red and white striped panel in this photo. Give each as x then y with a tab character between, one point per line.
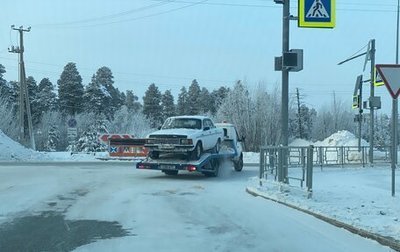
106	137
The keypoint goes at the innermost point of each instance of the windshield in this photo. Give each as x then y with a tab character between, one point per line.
186	123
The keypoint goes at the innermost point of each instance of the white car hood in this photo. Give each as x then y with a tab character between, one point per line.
183	132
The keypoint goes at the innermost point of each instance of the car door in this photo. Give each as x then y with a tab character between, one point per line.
209	134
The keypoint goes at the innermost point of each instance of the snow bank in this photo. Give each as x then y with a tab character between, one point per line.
11	150
341	138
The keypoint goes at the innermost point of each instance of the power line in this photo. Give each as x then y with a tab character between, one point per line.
142	17
111	16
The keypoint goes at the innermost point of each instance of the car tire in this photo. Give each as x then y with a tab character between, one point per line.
197	152
239	164
217	146
215	165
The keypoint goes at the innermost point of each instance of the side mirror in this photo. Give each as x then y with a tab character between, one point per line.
206	128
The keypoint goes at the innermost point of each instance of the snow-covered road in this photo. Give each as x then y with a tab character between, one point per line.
110	206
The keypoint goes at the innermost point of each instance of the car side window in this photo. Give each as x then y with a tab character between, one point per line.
208	123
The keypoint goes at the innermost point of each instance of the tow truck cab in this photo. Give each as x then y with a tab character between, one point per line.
231	134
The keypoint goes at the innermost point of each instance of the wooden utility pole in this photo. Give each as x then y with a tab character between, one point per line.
24	105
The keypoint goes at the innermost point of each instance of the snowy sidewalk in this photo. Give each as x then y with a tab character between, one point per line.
359	197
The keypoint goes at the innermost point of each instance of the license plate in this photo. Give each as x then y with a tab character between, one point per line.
167	167
167	146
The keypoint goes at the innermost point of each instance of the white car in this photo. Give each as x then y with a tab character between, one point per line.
191	135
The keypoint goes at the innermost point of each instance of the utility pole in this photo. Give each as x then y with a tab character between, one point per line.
285	86
372	106
24	105
395	113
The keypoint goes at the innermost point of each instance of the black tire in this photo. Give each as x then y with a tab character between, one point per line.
154	154
239	164
197	152
170	173
215	165
217	146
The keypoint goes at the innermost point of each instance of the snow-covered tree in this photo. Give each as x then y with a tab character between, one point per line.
218	97
70	90
129	122
46	97
48	131
111	100
131	101
236	108
206	101
168	106
193	98
96	97
53	138
152	105
182	105
9	120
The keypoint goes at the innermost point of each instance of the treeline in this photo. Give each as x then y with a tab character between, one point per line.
99	107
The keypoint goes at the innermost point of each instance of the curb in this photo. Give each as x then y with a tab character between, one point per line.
386	241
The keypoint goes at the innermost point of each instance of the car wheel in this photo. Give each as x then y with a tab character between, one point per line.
154	154
198	150
217	147
239	164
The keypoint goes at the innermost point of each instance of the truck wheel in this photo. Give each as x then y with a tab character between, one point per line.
215	165
170	173
239	164
198	150
154	154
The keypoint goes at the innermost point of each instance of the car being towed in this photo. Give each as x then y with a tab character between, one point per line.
191	135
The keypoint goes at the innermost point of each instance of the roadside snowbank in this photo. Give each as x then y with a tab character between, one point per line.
360	197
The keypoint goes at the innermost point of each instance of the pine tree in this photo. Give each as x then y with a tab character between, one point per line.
5	89
46	98
194	98
95	98
131	101
182	106
168	106
34	103
152	108
218	97
70	90
53	138
112	99
206	101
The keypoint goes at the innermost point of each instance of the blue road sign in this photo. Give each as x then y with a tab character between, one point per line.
317	13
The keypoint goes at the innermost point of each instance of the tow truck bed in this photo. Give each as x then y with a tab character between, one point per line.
208	164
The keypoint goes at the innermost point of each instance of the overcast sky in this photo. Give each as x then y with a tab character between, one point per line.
215	41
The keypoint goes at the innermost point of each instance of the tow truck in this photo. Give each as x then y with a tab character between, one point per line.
208	163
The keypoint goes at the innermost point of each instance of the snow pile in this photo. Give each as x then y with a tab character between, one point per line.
11	150
360	197
341	138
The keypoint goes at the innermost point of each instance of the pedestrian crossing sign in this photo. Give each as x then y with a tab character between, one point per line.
317	13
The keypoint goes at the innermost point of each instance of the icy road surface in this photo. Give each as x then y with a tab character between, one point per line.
111	206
